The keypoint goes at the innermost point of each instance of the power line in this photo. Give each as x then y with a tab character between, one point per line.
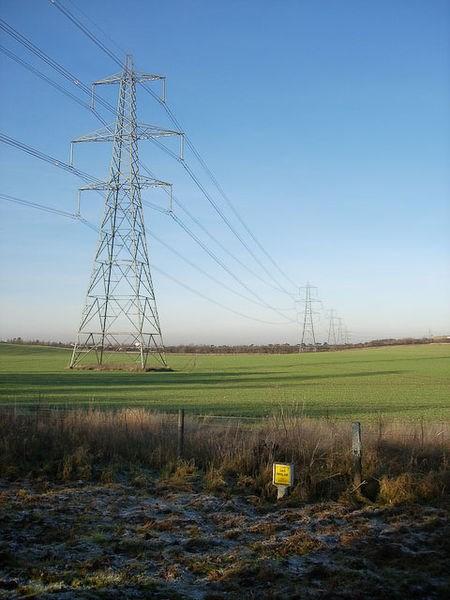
86	177
201	295
86	16
175	121
72	169
6	139
195	220
63	90
230	226
41	75
49	209
200	270
229	271
42	207
87	32
29	45
222	246
217	185
75	80
233	208
78	217
218	210
42	55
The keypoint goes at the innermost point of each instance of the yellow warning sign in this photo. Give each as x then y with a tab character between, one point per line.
283	473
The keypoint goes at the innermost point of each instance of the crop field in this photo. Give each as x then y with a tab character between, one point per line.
397	382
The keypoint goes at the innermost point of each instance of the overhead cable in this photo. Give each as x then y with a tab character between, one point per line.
75	171
202	271
78	23
224	266
75	80
201	295
78	217
6	139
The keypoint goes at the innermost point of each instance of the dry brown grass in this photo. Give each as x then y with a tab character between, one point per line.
298	543
408	462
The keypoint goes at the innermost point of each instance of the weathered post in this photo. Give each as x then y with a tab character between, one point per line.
422	433
180	444
356	454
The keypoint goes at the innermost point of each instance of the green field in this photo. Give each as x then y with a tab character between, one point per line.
401	381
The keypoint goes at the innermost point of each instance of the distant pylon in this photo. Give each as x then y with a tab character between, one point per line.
120	311
340	331
346	335
308	336
332	334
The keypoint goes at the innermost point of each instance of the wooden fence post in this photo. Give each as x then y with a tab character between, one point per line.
356	454
180	444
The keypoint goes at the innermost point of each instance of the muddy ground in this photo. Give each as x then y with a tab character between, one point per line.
117	541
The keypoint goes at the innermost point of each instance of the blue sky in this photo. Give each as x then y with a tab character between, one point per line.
326	122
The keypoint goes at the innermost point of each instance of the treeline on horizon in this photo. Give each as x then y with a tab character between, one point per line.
257	348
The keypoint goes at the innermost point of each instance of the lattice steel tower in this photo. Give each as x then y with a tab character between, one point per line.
332	335
308	336
120	311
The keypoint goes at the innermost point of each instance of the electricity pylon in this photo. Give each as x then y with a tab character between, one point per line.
120	311
308	336
332	336
340	332
346	335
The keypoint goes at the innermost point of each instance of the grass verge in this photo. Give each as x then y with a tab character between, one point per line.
402	463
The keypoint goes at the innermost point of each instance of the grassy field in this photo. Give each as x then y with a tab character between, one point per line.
401	381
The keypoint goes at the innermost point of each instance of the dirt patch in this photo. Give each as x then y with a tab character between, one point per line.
116	541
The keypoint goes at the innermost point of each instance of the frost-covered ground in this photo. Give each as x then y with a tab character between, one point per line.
116	541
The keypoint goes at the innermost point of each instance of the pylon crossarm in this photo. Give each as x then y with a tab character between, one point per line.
142	131
152	132
146	182
110	79
149	77
149	182
105	134
145	131
101	185
138	77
